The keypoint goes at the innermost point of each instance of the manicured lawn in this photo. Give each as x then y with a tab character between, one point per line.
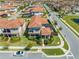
22	42
2	0
33	49
69	20
65	44
53	51
55	41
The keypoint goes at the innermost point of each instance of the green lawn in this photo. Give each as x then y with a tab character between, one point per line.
2	0
22	42
65	45
69	20
55	41
53	51
33	49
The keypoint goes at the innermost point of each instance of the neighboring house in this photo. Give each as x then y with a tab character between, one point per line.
38	26
36	10
12	27
66	9
8	8
76	8
3	14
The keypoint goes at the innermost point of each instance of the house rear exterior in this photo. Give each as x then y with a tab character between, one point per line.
39	26
12	27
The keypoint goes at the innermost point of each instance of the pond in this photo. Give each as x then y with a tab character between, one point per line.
76	20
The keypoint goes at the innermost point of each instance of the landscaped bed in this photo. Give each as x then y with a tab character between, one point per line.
71	21
53	52
55	41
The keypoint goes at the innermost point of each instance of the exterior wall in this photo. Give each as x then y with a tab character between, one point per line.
32	31
12	32
15	31
24	26
22	29
0	31
39	13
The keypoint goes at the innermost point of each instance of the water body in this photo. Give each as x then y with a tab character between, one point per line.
76	20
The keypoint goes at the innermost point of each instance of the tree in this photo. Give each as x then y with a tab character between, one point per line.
29	45
60	28
55	22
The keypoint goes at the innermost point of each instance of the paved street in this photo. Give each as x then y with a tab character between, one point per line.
26	56
72	39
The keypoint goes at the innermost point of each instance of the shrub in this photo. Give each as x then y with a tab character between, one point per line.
15	39
6	46
29	45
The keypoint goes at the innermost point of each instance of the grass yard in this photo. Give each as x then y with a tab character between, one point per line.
65	45
53	51
22	42
55	41
69	20
33	49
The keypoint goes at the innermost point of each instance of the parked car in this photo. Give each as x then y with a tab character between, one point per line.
18	53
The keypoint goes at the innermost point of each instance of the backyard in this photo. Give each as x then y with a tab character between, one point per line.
23	41
55	41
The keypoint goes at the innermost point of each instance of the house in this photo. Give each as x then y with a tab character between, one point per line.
76	8
46	32
3	14
7	7
36	10
38	26
12	27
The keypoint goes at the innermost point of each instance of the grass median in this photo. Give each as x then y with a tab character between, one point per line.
53	51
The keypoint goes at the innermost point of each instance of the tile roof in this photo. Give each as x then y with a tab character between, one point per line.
11	23
45	31
7	6
2	12
36	9
37	21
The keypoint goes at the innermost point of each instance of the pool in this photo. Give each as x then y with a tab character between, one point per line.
76	21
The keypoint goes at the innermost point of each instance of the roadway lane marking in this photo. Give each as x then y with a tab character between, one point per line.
67	56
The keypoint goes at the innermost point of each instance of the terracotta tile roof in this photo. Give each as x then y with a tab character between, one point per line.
2	12
11	23
45	31
37	21
7	6
36	9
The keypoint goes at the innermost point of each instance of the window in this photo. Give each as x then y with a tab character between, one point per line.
14	29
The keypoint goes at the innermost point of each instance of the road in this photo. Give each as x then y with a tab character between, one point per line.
26	56
72	39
